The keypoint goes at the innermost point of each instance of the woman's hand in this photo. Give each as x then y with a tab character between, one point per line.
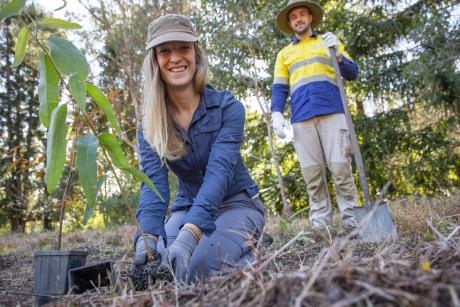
140	257
179	253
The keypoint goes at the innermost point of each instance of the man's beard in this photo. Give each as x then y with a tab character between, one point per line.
305	30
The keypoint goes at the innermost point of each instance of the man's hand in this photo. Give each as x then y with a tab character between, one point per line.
179	253
140	257
330	40
279	124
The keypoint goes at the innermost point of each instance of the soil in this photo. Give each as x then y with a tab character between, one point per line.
16	280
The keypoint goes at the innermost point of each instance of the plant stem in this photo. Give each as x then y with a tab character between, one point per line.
94	130
63	203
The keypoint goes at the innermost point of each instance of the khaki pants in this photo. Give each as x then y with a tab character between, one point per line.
319	142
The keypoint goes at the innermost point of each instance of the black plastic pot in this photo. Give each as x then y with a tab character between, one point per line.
91	276
50	272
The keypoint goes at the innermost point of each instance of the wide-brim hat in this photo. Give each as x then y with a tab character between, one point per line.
283	19
169	28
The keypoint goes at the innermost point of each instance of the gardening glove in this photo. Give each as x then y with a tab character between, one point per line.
140	257
279	124
179	253
330	40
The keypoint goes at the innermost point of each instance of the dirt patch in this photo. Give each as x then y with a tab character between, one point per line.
422	268
16	281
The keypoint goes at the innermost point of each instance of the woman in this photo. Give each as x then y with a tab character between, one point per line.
195	131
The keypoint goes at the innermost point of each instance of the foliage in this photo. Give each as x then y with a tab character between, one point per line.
68	66
411	94
405	104
21	139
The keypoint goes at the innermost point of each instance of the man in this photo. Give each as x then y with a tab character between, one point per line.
304	71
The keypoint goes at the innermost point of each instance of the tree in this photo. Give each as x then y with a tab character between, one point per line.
61	63
406	100
21	139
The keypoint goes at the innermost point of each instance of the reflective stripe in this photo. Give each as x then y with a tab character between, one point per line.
280	81
308	62
305	81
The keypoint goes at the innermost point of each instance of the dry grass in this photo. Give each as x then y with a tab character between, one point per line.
422	268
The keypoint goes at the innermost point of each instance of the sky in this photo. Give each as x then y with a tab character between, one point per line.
51	5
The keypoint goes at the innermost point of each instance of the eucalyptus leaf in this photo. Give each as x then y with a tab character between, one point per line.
68	59
101	100
59	23
87	169
21	45
11	8
48	88
113	147
89	210
78	91
56	147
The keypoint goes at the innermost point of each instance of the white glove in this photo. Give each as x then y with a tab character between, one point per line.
279	124
330	40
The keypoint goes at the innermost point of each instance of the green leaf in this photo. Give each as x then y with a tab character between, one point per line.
59	23
101	100
142	177
11	8
48	89
67	58
283	225
87	170
56	147
21	44
100	182
110	143
90	209
78	91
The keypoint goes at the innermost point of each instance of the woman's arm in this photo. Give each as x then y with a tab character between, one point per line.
151	210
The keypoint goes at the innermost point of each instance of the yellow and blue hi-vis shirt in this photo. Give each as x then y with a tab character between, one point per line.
304	71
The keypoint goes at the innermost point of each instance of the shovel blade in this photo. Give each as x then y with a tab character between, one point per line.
375	223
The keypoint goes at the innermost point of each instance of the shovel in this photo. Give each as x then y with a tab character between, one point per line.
375	222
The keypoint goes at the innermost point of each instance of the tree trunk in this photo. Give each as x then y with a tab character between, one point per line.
360	107
18	224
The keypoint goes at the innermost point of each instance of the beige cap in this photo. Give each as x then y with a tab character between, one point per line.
168	28
283	16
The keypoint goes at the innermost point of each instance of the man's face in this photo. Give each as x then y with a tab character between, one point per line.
300	19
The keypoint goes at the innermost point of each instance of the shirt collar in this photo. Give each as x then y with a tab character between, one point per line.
296	40
207	101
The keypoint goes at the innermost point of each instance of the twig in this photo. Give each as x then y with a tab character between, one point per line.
454	296
352	300
275	254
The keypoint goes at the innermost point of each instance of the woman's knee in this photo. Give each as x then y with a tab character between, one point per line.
217	253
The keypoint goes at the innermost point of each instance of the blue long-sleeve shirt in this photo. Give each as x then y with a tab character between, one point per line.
304	71
211	171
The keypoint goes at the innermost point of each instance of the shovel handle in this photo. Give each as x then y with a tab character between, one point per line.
351	130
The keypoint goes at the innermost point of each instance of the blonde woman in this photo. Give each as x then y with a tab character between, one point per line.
195	131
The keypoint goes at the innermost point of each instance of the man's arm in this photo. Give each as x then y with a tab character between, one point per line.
348	67
280	87
280	92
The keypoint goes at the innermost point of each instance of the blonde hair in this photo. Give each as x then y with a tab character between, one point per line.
158	125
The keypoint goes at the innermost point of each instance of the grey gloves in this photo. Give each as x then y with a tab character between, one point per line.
179	253
140	257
